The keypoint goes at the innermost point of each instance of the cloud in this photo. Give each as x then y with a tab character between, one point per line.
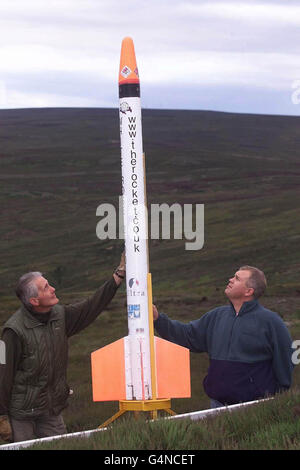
250	13
274	71
18	99
70	48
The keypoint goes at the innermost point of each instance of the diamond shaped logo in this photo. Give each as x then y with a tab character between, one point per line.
125	71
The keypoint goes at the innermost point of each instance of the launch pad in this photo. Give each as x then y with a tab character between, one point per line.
150	406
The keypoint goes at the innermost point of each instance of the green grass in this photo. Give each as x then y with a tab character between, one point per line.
271	425
58	165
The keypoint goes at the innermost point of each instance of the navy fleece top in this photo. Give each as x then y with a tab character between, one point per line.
250	353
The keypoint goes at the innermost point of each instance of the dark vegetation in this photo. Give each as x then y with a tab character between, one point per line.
58	165
273	425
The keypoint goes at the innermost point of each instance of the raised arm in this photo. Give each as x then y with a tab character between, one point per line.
191	335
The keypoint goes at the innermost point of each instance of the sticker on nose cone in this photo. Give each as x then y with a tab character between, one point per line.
126	71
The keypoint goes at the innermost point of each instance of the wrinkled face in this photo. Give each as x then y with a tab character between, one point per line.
237	288
46	296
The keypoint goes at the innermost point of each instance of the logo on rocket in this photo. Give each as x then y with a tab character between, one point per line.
134	311
133	282
126	71
125	107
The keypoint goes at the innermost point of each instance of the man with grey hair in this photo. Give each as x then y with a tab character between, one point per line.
33	386
249	346
27	289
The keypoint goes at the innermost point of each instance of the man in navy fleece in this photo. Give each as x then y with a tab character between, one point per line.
249	346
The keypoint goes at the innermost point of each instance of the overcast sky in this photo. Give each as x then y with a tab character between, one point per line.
240	56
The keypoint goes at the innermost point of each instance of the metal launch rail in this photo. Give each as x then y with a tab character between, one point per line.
195	415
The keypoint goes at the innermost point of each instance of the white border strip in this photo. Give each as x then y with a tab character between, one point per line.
195	415
24	444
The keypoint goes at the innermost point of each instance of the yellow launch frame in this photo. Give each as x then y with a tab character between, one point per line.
154	405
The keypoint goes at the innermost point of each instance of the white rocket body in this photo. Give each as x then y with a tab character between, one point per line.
137	356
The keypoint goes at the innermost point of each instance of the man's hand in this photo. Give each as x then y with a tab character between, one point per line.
155	312
119	273
122	265
5	429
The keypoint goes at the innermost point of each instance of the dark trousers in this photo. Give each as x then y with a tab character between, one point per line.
44	426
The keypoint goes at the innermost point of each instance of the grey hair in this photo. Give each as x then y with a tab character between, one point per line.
26	288
257	280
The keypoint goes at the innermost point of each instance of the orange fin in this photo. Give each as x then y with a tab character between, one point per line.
108	372
172	370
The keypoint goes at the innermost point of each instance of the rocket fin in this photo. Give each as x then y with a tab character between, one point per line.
109	375
108	372
172	370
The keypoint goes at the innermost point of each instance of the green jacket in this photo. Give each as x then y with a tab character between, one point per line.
39	383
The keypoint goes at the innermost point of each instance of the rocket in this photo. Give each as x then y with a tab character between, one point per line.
140	366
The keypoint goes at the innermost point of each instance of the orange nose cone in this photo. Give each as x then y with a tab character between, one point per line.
128	69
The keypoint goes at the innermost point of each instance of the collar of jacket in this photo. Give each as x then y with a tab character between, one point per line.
246	307
31	321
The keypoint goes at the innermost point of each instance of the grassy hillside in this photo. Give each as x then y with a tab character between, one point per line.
271	425
58	165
